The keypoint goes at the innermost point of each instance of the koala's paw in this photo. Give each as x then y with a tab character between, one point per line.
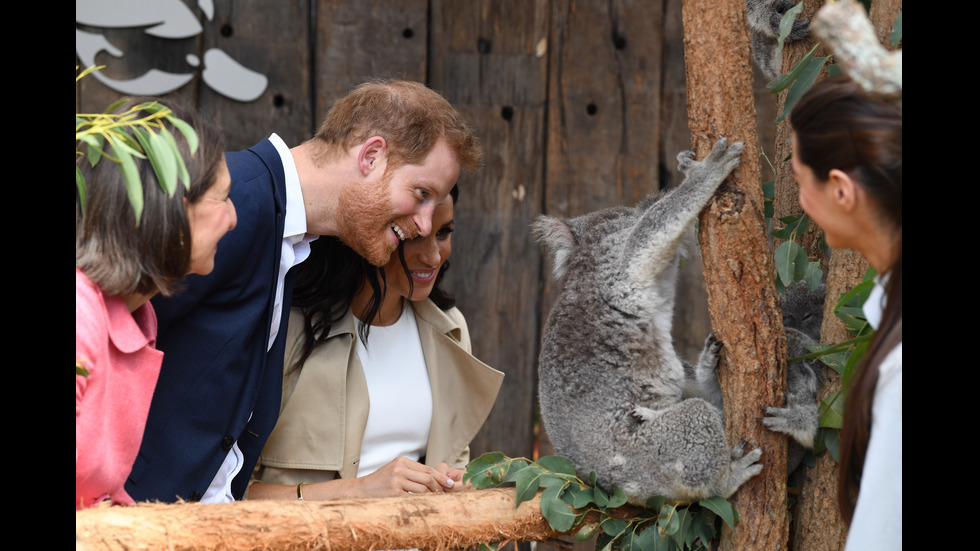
715	167
638	413
708	360
743	467
800	423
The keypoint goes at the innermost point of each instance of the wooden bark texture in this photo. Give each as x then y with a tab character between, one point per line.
435	522
742	299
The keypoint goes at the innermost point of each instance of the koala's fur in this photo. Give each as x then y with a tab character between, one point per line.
764	17
612	389
802	317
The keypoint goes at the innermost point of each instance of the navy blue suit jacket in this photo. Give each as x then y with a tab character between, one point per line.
214	334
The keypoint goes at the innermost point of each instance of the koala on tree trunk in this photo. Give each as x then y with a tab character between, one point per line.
612	389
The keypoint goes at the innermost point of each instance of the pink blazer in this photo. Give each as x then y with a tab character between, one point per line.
112	402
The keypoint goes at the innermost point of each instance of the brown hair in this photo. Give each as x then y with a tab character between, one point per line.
839	126
110	249
408	115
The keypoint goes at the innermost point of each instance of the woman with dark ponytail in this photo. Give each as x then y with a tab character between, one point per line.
847	158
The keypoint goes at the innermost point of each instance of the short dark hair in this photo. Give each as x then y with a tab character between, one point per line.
114	252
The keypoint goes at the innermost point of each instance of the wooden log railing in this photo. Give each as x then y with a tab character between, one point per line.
437	522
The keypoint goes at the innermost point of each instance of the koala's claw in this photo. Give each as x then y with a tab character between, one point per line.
632	412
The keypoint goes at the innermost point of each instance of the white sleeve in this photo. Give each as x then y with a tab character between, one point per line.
877	522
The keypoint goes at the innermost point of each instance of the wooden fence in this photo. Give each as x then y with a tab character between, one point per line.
579	105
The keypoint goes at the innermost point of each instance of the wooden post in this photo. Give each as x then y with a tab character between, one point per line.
742	298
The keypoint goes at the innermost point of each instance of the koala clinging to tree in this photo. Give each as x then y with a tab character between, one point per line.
802	317
611	385
764	18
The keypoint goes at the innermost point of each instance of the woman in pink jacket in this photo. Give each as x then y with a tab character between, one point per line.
119	265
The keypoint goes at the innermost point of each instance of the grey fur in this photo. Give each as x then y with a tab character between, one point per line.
764	17
802	317
613	393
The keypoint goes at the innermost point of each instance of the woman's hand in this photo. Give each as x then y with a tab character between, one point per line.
403	476
456	475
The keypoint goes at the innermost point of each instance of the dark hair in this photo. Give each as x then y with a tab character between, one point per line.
110	249
326	282
408	115
837	125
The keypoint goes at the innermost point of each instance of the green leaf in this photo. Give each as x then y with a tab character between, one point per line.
786	26
487	470
813	275
526	485
560	515
684	536
614	526
794	226
806	79
487	547
617	499
557	464
80	186
515	467
768	194
832	411
188	131
896	37
601	497
131	176
721	507
586	531
784	81
791	262
831	442
182	174
703	526
161	158
580	495
656	502
667	521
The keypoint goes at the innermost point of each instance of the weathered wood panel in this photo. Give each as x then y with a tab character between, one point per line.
358	41
273	38
486	58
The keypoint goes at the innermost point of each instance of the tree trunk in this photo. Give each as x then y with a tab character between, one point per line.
437	522
742	298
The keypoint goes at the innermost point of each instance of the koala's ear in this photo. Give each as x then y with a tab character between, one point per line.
557	236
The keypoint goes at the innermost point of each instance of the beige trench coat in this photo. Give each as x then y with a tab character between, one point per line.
325	404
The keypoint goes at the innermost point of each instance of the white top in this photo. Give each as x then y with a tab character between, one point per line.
295	249
877	522
400	413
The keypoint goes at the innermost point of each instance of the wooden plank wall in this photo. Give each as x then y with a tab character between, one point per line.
579	104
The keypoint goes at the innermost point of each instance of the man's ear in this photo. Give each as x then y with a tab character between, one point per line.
846	192
371	154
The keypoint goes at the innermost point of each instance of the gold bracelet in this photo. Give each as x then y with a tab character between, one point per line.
299	490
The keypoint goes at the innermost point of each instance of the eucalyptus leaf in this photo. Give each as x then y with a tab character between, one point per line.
614	526
667	521
581	496
721	507
131	177
514	467
182	174
586	531
896	36
703	526
786	26
832	411
189	134
557	464
813	275
656	502
526	485
80	186
806	78
161	159
560	515
786	257
831	442
601	498
684	536
784	81
617	499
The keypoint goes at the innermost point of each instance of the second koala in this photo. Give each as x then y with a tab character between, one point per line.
611	385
